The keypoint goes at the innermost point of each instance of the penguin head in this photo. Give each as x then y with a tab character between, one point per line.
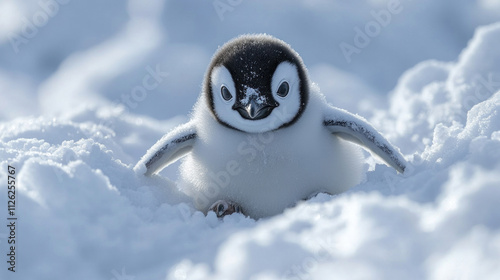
256	83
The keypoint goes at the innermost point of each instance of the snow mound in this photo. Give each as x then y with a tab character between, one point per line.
83	211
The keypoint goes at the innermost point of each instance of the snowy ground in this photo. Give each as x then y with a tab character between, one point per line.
73	125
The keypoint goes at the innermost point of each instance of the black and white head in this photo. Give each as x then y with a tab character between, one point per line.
256	83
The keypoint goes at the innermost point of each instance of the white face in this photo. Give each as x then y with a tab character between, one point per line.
287	98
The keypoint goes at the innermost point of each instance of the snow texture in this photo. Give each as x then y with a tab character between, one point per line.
97	84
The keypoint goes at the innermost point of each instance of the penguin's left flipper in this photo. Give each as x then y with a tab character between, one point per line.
355	129
168	149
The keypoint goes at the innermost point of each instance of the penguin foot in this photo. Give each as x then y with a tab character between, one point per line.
223	208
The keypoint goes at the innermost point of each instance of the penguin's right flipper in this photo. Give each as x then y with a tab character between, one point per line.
172	146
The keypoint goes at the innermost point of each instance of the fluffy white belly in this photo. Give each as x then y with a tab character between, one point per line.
266	173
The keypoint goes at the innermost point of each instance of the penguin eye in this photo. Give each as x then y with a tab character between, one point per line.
225	93
283	89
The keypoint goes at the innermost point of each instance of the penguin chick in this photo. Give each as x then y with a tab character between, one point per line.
262	137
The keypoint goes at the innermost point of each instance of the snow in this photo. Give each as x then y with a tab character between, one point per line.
94	85
252	93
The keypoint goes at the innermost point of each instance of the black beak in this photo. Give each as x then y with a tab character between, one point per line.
255	110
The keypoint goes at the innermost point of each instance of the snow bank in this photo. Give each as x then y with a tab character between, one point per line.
83	211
